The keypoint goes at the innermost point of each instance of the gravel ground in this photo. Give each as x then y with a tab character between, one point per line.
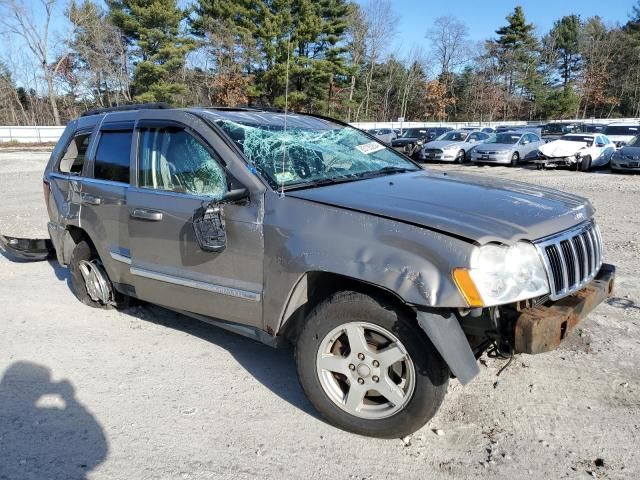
145	393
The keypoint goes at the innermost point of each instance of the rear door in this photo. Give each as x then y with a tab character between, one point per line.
104	215
178	173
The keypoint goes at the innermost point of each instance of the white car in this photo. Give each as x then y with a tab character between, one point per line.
620	132
452	146
577	150
386	135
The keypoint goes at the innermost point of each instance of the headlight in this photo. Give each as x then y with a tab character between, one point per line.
499	274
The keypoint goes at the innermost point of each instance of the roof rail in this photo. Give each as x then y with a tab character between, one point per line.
124	108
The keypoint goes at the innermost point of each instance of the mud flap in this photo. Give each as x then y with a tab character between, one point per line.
29	249
447	336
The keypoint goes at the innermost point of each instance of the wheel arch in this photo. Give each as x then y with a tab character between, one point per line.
315	286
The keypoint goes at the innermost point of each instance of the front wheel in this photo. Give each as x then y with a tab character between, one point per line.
368	368
460	157
585	164
515	158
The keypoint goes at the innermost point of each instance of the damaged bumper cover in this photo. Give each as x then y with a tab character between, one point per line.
551	162
30	249
542	328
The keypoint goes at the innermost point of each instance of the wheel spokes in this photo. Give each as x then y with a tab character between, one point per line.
357	341
334	363
389	355
390	390
355	396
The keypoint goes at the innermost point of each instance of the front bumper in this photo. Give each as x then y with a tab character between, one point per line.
490	158
626	165
27	248
551	162
438	157
542	328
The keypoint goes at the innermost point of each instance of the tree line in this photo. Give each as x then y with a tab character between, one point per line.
322	56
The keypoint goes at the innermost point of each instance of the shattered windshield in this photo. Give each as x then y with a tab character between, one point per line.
310	151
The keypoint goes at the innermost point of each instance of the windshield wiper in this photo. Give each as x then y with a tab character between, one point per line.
386	171
320	183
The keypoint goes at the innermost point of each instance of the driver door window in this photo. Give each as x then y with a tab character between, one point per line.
172	159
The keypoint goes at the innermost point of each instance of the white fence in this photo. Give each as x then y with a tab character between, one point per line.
30	134
52	134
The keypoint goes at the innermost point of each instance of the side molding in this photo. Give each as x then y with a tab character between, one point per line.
447	336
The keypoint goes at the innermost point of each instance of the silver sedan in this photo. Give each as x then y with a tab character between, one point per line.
508	148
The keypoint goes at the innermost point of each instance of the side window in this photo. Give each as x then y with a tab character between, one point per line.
112	156
174	160
73	158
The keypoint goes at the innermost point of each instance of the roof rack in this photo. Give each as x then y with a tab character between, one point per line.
247	108
124	108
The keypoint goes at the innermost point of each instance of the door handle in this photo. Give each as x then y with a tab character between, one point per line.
149	215
91	199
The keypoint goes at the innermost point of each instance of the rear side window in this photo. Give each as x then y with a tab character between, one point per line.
174	160
112	156
73	159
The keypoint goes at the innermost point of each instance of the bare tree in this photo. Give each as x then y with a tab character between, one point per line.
381	20
19	18
449	43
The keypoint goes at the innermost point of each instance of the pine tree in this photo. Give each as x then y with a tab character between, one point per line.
564	37
516	48
152	28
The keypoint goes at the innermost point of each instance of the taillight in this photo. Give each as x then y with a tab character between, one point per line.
46	189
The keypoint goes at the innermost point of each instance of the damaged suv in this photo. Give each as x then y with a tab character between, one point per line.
387	278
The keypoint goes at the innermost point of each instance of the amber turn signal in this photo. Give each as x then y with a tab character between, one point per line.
467	287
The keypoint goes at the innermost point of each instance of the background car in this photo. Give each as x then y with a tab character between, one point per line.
386	135
488	130
593	127
452	146
627	158
580	150
553	131
410	140
621	132
508	148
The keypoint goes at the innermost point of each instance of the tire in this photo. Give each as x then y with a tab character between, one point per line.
585	164
515	159
419	393
82	254
460	158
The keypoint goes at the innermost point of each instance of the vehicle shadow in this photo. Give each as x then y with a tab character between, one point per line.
272	367
44	431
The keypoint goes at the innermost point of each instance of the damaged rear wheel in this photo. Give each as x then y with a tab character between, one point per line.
368	368
89	280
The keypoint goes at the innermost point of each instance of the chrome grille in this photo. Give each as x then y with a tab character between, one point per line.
572	258
435	151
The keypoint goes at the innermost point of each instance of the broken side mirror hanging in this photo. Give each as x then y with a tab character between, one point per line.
208	221
208	225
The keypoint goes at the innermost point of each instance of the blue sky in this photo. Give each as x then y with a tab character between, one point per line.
483	17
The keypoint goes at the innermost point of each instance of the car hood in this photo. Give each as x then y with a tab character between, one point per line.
630	152
443	144
561	148
494	147
479	209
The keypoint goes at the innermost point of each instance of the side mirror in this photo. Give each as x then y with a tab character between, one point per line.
235	195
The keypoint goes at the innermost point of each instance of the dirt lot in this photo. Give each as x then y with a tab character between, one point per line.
145	393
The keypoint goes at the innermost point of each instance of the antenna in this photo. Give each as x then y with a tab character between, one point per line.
286	108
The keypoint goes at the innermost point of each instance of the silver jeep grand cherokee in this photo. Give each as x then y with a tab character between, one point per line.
388	279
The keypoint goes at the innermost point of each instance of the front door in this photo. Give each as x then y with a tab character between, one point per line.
178	173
